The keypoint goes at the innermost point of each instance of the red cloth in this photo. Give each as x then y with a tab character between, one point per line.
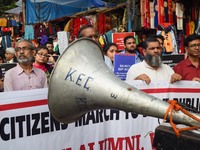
40	67
170	14
187	31
160	11
78	23
147	14
101	23
187	70
39	30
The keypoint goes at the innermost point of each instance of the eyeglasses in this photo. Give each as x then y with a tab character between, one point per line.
25	48
8	54
194	46
45	55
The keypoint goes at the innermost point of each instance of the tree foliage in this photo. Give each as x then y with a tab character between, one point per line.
6	5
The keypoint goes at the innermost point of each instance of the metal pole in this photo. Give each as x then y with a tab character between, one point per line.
24	11
133	11
129	15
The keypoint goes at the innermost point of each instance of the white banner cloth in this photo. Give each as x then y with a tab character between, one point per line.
26	124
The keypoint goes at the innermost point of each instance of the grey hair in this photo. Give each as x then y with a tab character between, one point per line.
28	41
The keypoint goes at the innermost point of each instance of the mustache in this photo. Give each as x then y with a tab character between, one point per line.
21	56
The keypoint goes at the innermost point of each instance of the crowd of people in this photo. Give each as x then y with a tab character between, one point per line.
35	64
152	68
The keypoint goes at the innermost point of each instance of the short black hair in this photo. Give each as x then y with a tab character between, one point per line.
41	47
128	37
107	46
49	42
83	28
148	40
159	36
190	38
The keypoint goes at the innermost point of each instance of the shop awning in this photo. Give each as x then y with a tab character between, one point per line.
46	10
16	10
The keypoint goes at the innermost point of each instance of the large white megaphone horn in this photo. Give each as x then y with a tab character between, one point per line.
82	82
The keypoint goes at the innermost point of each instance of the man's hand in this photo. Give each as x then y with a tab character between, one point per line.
175	77
143	77
196	79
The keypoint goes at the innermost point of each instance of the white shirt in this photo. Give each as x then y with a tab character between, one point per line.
163	72
108	62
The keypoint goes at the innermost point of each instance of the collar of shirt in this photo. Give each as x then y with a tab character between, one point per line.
20	70
188	62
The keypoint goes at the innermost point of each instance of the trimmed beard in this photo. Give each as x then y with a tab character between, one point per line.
26	60
154	61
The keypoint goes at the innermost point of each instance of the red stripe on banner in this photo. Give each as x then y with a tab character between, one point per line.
23	104
41	102
174	90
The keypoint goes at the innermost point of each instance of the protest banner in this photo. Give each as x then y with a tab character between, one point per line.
122	63
26	123
118	38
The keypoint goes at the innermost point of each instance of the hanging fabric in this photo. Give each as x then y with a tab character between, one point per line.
3	22
166	11
171	40
78	23
160	11
181	38
152	15
6	42
194	12
179	16
192	27
156	13
29	32
173	11
145	13
197	31
174	39
170	13
101	23
136	25
143	10
68	26
13	23
187	28
39	30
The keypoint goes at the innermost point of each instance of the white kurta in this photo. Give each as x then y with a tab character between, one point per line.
164	72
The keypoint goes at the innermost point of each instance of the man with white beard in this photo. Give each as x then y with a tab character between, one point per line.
152	68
